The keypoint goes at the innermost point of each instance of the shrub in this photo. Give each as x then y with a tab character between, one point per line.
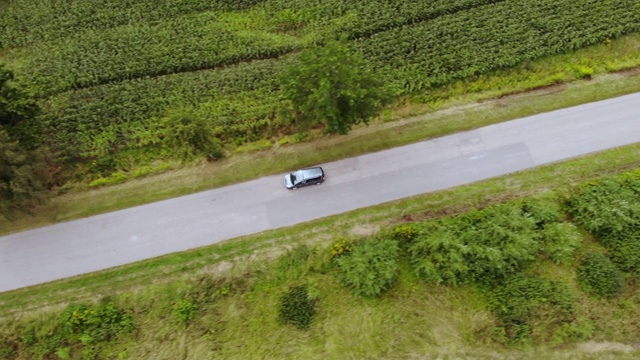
370	267
341	246
599	276
296	307
484	245
606	207
191	135
185	310
542	214
560	240
405	233
515	299
583	71
115	178
626	253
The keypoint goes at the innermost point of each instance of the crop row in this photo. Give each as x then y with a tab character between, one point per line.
494	36
27	21
205	40
357	19
179	45
229	97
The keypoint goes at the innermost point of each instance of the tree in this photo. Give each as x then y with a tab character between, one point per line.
23	177
17	110
332	84
190	135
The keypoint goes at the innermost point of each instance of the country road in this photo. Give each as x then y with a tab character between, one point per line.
121	237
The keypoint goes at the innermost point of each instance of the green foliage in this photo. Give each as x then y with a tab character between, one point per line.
296	307
625	252
141	50
599	276
607	206
515	299
370	267
114	178
23	176
185	310
433	53
610	209
405	233
18	112
583	71
543	214
35	21
190	135
485	245
254	146
15	105
124	59
80	328
560	241
332	85
341	246
293	264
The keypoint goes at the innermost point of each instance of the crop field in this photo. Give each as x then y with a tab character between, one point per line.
106	73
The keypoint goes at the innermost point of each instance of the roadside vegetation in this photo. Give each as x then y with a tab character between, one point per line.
435	275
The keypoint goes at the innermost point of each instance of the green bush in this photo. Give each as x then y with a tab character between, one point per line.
296	307
80	327
185	310
191	135
370	267
515	299
599	276
610	209
625	252
560	241
342	246
404	234
608	206
542	214
484	245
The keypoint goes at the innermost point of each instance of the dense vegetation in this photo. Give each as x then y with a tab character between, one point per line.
106	77
520	295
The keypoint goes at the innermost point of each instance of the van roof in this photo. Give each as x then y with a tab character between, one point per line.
312	172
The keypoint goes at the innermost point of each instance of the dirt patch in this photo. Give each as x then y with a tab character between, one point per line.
605	346
628	72
365	229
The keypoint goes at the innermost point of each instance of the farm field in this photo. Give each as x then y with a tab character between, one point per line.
106	77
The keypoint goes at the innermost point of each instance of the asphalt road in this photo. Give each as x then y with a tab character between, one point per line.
147	231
